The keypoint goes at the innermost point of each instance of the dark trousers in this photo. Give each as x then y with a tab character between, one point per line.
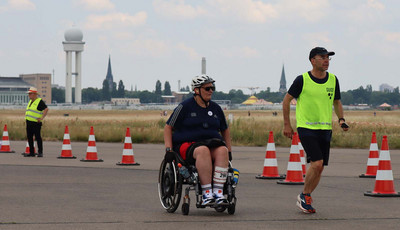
33	128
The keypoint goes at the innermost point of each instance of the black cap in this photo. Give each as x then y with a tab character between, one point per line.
320	51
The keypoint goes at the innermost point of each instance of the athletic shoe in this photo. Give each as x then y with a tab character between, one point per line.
220	199
304	203
40	155
207	200
29	155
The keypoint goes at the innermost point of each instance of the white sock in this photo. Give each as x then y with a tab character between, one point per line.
206	190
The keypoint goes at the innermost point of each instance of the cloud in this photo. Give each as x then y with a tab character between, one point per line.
368	12
310	10
18	5
177	9
112	20
317	38
95	5
148	48
392	37
240	52
191	52
246	10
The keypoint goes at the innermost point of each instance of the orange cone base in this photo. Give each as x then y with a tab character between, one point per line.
290	182
271	177
369	193
73	157
98	160
367	176
7	151
127	164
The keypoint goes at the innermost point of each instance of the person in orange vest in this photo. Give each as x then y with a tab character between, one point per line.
36	111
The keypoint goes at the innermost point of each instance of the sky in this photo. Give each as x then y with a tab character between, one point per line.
245	42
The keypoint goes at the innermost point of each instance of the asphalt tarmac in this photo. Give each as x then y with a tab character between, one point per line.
51	193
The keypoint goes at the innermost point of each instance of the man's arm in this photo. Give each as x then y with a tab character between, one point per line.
168	136
287	127
44	115
339	113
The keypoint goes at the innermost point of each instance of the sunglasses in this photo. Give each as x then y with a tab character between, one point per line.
209	88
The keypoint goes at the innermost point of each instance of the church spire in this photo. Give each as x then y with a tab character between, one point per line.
282	85
109	76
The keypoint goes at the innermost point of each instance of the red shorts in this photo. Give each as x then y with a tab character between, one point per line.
183	149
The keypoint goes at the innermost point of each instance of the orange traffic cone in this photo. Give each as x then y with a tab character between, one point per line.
128	157
384	186
373	159
294	175
66	150
5	144
27	148
302	158
91	151
270	170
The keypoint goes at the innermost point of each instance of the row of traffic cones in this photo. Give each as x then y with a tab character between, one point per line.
378	166
91	151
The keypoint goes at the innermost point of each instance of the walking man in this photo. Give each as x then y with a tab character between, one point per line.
316	91
36	111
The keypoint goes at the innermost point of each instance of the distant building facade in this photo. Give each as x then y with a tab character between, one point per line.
282	85
125	101
42	81
13	91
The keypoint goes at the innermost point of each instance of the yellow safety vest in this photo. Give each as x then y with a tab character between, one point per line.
32	113
314	105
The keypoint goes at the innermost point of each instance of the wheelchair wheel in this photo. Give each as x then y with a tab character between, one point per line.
169	186
220	208
232	207
185	209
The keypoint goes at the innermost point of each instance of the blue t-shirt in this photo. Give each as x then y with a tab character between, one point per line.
191	122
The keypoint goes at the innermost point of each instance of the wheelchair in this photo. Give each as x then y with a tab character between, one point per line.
171	182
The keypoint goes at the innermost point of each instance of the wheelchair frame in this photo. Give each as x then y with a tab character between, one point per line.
170	184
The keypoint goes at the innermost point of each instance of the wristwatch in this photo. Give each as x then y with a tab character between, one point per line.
168	149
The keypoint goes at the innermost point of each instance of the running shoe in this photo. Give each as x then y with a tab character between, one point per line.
220	199
207	200
304	203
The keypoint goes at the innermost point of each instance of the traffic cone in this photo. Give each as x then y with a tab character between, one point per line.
302	158
5	144
373	159
294	175
384	186
27	148
66	150
128	157
270	170
91	151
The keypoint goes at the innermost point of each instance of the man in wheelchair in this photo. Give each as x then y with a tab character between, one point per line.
198	131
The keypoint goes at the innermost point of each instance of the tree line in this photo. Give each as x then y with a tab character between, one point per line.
357	96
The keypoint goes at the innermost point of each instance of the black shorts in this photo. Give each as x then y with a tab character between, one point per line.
186	149
316	144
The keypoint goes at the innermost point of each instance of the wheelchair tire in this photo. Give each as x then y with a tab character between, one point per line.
185	209
232	208
220	208
169	186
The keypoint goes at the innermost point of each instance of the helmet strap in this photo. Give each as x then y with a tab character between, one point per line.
206	103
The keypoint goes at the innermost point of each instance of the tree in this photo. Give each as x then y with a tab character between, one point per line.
106	96
158	88
114	92
167	88
121	89
58	95
91	94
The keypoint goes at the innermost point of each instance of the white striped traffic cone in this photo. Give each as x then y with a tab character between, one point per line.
373	159
27	150
5	144
384	186
294	175
270	170
302	158
128	158
91	151
66	150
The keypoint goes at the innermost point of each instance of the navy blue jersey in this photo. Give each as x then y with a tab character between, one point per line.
191	122
297	86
